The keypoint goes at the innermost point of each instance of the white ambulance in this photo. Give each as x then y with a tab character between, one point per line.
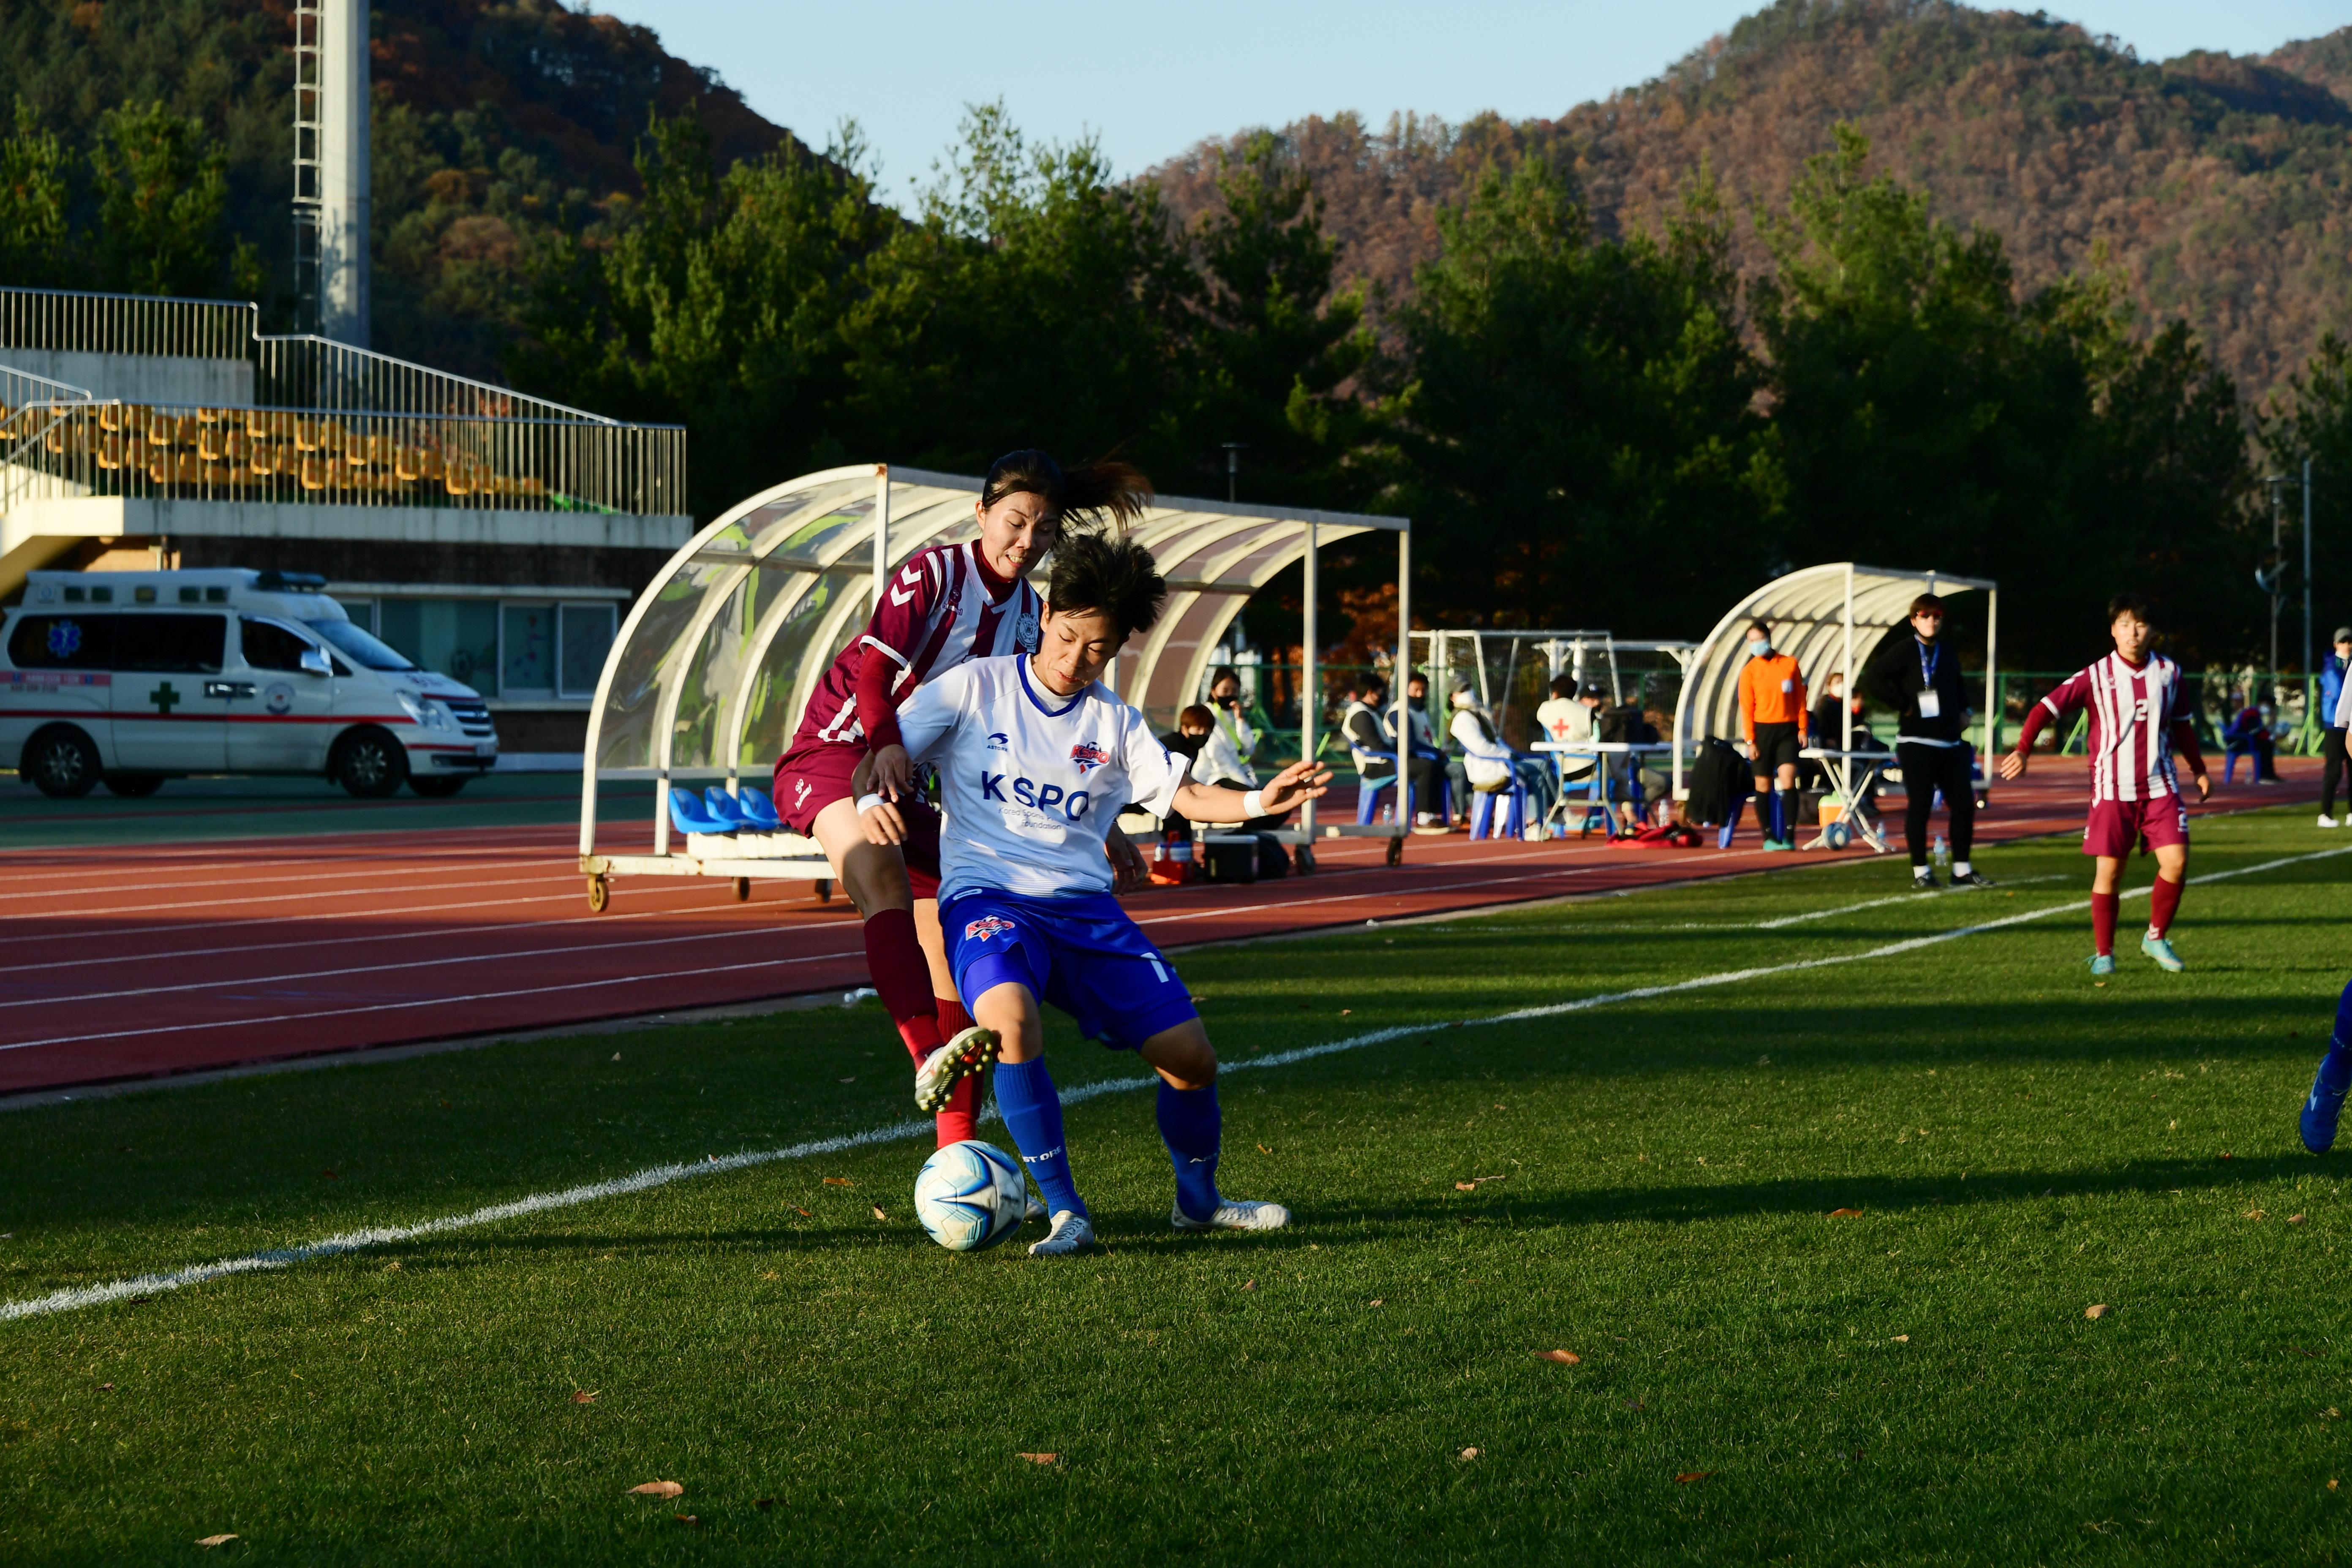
132	678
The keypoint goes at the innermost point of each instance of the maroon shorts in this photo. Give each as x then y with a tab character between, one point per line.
2117	824
812	778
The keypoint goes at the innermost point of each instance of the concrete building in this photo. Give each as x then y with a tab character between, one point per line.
496	537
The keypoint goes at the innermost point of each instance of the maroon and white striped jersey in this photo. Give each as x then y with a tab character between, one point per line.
935	614
2135	721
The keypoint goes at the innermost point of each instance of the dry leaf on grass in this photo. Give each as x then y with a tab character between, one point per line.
1469	1453
1687	1477
2256	1214
1903	1339
1844	1214
225	1540
1379	1302
585	1396
2331	1486
2099	1309
1264	1149
879	1214
1249	1285
330	1175
2294	1219
686	1519
1040	1459
1565	1358
658	1488
764	1503
836	1181
105	1385
1465	1186
1345	1011
801	1211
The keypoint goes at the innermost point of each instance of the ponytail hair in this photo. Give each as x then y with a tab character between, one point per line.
1083	495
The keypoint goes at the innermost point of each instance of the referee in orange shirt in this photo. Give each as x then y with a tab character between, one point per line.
1772	710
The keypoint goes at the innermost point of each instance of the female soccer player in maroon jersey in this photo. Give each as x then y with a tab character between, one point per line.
2134	698
948	604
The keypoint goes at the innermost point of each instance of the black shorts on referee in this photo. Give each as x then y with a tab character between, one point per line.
1776	747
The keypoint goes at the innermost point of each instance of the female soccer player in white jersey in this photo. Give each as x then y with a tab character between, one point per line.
2134	698
1036	760
947	605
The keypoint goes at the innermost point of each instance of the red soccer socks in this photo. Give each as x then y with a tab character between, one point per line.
2163	903
2102	921
894	956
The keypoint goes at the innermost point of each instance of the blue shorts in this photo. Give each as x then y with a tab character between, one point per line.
1082	956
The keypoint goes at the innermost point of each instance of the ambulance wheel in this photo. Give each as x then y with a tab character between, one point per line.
742	890
368	763
60	762
1396	851
600	895
825	890
439	786
133	786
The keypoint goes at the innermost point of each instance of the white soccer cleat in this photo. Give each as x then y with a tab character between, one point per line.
1073	1232
1036	1211
970	1051
1234	1213
2325	820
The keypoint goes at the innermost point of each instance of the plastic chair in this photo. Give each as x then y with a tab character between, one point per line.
1368	789
754	804
1514	815
687	814
724	806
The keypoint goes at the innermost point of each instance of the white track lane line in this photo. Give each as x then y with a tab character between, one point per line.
361	878
608	918
900	1132
145	858
414	1003
567	951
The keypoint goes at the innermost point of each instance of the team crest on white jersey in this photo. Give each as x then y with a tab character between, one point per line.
1025	632
1086	756
985	927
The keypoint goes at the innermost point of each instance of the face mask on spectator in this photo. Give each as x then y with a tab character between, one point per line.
1758	646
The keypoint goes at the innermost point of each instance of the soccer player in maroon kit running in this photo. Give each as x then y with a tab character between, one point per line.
2134	698
947	603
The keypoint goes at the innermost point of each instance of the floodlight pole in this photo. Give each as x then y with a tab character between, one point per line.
1992	684
881	533
1309	693
2309	668
1403	679
1234	450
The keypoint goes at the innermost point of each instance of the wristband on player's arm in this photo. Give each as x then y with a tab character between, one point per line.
867	802
1253	804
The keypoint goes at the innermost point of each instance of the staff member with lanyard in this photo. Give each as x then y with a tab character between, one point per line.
1932	749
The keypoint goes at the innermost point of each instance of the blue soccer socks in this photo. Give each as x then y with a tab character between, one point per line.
1193	1127
2326	1103
1033	1114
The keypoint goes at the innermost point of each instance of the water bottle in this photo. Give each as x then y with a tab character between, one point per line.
1942	854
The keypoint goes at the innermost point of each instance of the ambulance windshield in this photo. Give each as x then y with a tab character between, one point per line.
359	646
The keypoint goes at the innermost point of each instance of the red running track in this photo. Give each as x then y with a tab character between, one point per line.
146	961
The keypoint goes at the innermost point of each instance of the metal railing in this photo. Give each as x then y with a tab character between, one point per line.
327	422
77	449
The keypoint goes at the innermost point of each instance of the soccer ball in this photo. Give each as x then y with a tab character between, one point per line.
1835	836
971	1195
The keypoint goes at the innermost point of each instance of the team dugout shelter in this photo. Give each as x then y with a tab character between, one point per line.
1831	617
710	670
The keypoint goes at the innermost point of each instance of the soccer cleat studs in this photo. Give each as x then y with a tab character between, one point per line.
969	1053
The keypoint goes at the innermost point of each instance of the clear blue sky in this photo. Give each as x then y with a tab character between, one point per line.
1150	81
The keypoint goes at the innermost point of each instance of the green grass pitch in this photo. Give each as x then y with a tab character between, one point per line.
1651	1184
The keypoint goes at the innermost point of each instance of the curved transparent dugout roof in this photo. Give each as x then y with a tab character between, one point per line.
1807	612
717	660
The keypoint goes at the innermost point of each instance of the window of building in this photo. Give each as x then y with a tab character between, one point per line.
527	650
584	634
459	637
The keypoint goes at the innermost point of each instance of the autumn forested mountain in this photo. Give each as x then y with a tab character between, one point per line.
2219	187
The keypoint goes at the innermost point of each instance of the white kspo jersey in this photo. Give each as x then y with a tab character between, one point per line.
1031	783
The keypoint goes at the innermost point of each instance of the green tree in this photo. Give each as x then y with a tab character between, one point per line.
716	304
1271	346
1577	442
1034	301
1928	413
2312	418
34	237
162	185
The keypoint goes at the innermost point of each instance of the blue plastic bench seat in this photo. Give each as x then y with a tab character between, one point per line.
689	814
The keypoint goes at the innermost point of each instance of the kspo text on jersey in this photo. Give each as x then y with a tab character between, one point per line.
1031	804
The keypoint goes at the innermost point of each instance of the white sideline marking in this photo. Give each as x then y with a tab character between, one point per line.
663	1175
1897	899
